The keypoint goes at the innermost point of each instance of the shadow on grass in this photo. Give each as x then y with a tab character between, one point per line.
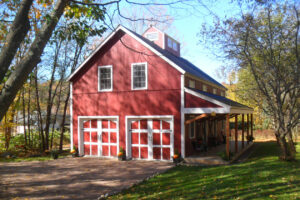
262	176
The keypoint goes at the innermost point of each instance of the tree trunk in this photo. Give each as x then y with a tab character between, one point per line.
29	113
76	58
58	106
6	134
24	116
63	122
31	58
40	117
291	146
284	148
14	38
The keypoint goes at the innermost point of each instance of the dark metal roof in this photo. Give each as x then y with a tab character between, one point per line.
221	99
181	62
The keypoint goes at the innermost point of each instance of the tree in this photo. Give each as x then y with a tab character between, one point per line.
85	18
266	41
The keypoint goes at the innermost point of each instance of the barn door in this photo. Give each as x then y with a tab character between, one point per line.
151	139
100	137
162	144
140	139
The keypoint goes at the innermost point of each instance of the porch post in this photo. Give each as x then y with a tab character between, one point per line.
243	130
227	135
247	128
236	133
186	135
252	125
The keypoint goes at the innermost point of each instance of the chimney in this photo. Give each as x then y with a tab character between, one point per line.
162	40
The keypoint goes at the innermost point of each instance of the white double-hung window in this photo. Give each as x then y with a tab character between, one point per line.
139	80
105	78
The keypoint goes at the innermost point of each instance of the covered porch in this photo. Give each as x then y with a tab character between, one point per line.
215	132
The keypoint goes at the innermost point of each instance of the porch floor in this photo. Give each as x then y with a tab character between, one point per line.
211	157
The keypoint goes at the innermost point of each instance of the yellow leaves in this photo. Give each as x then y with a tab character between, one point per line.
37	14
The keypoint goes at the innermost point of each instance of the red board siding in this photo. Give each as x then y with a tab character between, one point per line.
161	98
160	41
192	101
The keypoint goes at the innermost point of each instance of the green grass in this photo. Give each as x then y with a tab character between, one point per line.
39	158
263	176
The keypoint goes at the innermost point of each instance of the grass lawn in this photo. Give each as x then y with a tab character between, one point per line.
38	158
263	176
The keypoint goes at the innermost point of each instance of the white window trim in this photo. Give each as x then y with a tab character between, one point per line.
111	80
192	124
146	81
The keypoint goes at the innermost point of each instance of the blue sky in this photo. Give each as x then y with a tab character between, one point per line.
188	27
187	23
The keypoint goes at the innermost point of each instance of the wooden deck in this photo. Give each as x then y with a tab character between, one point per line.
211	157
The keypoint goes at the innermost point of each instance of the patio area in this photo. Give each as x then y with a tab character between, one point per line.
212	155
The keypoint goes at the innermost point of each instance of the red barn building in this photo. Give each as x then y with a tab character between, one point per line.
136	92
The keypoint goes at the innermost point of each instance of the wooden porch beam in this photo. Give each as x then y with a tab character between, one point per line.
247	128
252	125
243	130
236	133
196	118
227	136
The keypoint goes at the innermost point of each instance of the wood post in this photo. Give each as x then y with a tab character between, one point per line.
187	139
247	128
243	130
236	133
252	125
227	136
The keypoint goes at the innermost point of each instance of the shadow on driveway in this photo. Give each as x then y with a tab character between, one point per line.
73	178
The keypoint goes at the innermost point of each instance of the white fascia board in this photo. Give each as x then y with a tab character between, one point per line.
205	110
132	35
207	98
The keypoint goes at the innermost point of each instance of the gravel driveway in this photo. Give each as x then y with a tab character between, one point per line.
73	178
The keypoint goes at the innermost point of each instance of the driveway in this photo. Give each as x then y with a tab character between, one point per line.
73	178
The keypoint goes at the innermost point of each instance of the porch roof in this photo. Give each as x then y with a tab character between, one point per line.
227	105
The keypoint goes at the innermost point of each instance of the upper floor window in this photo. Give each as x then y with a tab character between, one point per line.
204	88
214	91
139	76
105	78
172	44
152	36
222	94
191	83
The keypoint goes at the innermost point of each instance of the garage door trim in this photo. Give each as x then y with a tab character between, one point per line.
80	130
147	117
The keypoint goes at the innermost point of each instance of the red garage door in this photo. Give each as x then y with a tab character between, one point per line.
100	137
151	139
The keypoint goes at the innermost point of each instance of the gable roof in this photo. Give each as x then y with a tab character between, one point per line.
177	62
